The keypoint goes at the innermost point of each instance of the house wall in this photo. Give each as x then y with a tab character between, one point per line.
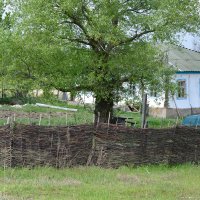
172	112
192	99
156	102
179	106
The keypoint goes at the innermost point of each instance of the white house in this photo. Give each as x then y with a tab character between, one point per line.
187	99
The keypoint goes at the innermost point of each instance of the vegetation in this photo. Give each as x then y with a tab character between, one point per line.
30	114
150	182
93	45
152	122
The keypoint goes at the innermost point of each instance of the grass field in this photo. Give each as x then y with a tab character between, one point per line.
143	183
30	114
84	115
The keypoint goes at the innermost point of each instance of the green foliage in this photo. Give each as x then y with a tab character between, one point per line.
95	45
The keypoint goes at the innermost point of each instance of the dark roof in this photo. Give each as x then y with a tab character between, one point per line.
183	59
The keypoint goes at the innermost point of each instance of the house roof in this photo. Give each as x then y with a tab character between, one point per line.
185	60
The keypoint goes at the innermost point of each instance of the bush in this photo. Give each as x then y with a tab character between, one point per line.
14	100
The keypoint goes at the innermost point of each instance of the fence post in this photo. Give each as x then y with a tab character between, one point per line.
94	119
49	119
75	119
40	119
92	151
144	110
12	128
66	118
108	119
177	121
98	119
8	120
14	117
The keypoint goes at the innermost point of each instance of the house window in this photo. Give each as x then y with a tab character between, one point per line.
181	89
132	89
153	93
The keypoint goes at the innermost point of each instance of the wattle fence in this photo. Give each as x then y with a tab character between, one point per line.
106	146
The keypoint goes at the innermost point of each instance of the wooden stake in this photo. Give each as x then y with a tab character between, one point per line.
93	118
144	107
49	119
66	118
8	120
177	121
98	119
40	119
92	151
14	117
109	119
29	117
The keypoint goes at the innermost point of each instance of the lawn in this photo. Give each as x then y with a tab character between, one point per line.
145	183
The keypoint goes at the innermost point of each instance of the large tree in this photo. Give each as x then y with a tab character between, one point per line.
100	44
4	50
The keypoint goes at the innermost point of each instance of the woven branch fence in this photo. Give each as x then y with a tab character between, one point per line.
113	146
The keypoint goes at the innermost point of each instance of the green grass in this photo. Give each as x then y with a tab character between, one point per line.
84	115
153	122
92	183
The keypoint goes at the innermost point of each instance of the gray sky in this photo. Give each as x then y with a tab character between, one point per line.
188	41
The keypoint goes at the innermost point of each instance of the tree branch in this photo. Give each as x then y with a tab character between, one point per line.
76	21
76	88
75	40
138	11
136	36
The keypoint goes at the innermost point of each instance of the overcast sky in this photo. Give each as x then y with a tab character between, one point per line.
189	41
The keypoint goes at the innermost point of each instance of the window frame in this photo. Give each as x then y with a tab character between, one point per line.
153	93
185	96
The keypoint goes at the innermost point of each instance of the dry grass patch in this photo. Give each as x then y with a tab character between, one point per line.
134	179
5	196
41	181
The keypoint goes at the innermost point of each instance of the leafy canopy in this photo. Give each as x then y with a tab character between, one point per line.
97	45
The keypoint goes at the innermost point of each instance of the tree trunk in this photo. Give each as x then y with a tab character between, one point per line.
72	95
103	109
166	102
